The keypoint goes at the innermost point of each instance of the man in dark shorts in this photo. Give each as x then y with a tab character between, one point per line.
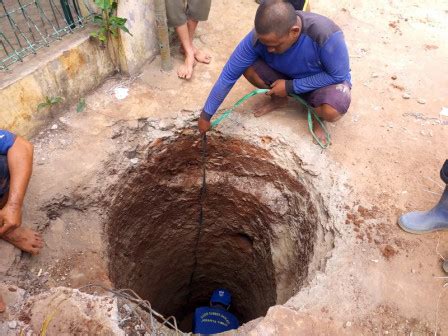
16	162
289	52
184	16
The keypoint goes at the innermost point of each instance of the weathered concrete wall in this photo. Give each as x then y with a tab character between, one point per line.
73	67
142	45
69	69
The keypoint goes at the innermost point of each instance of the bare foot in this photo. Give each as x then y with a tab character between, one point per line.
2	305
269	105
25	239
185	71
201	56
319	132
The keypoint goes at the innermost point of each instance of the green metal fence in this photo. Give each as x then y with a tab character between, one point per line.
28	25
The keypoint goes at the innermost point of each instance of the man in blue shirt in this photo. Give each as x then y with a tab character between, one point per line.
216	318
289	52
16	162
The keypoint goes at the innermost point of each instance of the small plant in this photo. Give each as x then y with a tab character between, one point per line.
108	22
50	102
81	105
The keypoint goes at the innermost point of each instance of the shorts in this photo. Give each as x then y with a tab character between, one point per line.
179	11
4	176
337	95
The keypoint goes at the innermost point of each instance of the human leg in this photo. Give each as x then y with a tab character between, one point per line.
436	219
185	71
330	103
177	17
197	10
262	76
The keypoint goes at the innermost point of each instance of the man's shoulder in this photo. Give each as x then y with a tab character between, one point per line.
317	27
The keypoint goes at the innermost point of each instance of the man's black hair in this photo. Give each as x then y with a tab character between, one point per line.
274	16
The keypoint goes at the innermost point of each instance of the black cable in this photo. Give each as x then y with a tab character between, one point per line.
202	195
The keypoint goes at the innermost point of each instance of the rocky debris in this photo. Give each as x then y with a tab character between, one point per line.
12	324
73	313
421	101
406	95
166	124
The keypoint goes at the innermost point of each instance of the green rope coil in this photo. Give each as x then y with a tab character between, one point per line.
310	110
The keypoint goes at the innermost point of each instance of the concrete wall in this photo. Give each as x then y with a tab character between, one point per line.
73	67
68	69
142	45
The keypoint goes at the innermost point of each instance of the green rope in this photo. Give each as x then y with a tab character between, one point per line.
310	110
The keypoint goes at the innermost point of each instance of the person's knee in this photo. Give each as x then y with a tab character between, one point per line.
249	73
329	113
252	76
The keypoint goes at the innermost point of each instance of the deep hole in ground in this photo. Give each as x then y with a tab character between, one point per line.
258	239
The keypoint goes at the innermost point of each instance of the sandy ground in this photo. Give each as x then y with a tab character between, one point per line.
391	149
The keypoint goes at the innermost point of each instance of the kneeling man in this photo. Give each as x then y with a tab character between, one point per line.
289	52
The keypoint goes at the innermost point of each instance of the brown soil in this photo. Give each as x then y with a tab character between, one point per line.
154	226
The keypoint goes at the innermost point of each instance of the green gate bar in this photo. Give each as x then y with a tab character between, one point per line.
28	25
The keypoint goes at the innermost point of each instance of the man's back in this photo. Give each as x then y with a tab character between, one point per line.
209	320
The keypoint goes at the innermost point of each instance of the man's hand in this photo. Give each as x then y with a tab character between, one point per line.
278	89
204	125
10	218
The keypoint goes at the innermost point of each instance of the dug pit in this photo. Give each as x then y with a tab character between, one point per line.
262	232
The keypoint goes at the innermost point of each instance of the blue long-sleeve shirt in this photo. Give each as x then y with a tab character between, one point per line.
317	59
6	141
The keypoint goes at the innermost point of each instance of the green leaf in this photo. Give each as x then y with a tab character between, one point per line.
123	28
98	19
81	105
119	21
56	100
104	4
42	105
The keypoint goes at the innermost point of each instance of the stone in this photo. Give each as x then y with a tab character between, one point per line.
12	324
134	160
54	127
393	77
375	75
406	95
444	112
421	101
166	124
